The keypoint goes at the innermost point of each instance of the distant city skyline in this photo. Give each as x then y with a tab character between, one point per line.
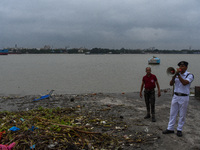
68	47
114	24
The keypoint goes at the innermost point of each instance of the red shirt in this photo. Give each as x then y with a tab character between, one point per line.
149	82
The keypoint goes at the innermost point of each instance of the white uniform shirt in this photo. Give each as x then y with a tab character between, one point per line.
179	87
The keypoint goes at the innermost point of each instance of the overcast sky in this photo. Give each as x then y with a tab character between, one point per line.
132	24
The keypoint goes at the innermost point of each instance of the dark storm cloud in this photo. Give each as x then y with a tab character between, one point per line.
99	23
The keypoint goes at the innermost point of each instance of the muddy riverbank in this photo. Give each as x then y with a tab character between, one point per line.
127	108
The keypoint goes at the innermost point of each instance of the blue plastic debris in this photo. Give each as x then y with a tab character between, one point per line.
22	119
44	96
14	128
32	147
33	128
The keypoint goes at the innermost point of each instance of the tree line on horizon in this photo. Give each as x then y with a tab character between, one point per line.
100	51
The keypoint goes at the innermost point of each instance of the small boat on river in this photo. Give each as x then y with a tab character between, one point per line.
154	60
4	52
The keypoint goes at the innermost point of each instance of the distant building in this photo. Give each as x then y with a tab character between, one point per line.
81	50
47	47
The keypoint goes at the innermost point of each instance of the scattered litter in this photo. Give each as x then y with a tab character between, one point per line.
73	127
44	96
72	99
33	128
87	124
126	137
103	122
52	145
118	128
1	133
32	147
22	119
191	94
146	130
14	128
56	129
6	147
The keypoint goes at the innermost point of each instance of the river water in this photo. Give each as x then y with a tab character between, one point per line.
27	74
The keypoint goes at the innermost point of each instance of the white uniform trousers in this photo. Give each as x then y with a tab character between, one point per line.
179	105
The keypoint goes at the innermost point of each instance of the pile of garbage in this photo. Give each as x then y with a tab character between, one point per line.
57	128
65	128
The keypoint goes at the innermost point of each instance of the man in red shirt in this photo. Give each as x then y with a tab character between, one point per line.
149	83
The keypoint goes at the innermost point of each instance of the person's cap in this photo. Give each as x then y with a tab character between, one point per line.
183	63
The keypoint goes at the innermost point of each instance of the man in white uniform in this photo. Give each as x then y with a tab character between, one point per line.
182	80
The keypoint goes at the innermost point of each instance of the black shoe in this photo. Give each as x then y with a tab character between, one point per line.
168	131
153	119
179	133
147	116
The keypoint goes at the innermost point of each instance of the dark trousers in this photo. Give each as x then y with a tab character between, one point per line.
149	96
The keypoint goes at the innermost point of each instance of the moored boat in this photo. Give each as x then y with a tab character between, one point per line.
4	52
154	60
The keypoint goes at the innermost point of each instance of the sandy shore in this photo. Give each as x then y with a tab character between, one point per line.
129	108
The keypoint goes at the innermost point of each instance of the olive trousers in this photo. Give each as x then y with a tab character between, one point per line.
149	96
